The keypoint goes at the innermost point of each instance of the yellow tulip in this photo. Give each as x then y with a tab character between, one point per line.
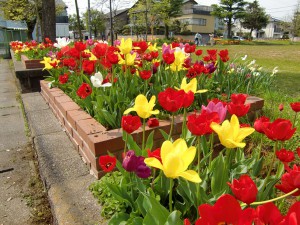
48	61
230	133
177	65
176	158
192	86
152	48
129	59
143	108
92	57
125	46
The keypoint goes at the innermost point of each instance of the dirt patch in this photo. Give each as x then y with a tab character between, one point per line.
22	191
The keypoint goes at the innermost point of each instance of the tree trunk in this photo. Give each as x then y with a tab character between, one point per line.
30	26
250	35
229	28
78	21
166	31
49	19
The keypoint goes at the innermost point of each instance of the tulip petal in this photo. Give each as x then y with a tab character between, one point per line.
235	144
173	165
235	125
179	146
216	127
166	148
202	91
156	111
141	100
188	156
244	132
153	162
128	110
191	175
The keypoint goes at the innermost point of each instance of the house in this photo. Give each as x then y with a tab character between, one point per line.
273	30
197	17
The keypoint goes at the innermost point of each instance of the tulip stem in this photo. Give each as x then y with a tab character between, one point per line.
211	148
271	166
199	153
125	145
295	117
184	130
171	129
272	200
143	143
260	147
170	195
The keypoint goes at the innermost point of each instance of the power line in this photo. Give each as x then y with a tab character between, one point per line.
282	7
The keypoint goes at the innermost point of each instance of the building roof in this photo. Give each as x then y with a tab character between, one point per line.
186	1
11	24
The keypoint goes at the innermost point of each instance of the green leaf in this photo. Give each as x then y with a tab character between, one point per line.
149	142
132	145
156	213
137	221
257	167
174	218
121	194
119	219
219	176
139	201
164	134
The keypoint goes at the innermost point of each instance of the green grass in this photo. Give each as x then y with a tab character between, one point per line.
283	54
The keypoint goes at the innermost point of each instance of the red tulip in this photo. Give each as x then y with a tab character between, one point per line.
88	66
260	123
188	99
198	52
84	90
285	156
290	181
107	163
189	48
295	106
279	130
224	55
169	58
226	210
171	99
244	189
73	52
186	222
293	215
238	109
268	214
80	46
100	50
145	74
280	107
153	122
154	154
112	57
63	78
200	124
130	123
238	98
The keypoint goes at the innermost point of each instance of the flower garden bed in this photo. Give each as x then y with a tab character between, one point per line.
93	140
31	63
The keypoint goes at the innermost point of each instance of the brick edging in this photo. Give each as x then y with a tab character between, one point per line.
92	140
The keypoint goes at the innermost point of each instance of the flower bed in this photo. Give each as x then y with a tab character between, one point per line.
93	140
31	63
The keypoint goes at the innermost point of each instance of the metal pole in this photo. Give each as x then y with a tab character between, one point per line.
89	19
111	24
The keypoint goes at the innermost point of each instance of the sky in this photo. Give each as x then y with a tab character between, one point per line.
279	9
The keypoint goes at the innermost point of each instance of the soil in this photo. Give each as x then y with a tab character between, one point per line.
22	192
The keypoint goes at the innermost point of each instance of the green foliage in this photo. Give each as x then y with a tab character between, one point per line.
97	21
110	205
255	17
73	25
229	10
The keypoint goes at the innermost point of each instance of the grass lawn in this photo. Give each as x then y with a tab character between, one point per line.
282	54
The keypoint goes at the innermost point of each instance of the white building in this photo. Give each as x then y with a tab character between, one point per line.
273	30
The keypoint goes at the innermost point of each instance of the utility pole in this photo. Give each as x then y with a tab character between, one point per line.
89	19
78	20
146	20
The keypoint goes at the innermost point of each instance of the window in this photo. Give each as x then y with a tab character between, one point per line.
194	21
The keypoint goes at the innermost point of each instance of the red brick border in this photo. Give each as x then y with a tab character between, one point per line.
32	63
92	140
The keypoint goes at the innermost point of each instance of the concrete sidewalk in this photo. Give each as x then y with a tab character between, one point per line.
63	173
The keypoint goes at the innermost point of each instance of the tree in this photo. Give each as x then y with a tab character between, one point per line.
229	10
73	25
255	17
296	22
20	10
48	19
97	21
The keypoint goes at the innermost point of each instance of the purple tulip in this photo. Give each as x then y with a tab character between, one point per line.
218	108
211	67
130	161
143	171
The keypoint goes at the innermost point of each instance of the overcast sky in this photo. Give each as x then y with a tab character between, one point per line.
280	9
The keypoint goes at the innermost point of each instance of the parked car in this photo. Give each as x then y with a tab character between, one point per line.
238	38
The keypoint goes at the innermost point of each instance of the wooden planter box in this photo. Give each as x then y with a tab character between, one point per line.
92	139
31	63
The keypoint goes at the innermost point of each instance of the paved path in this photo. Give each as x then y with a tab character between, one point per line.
65	176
